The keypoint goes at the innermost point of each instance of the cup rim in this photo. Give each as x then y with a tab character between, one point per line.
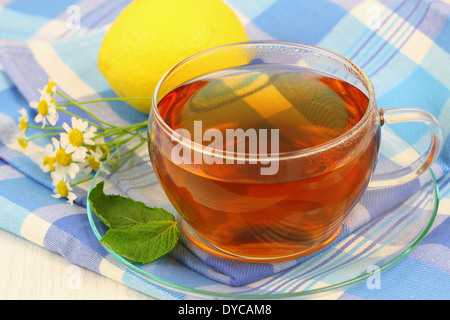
235	156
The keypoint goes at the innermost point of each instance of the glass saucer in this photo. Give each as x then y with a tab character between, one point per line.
370	241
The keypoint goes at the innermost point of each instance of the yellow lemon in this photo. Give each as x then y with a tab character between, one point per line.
151	36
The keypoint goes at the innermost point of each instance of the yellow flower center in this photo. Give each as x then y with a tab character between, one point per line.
50	162
23	142
23	124
94	164
104	149
62	189
43	107
76	137
62	158
50	86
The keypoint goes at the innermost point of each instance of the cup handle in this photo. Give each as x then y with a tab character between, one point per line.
426	157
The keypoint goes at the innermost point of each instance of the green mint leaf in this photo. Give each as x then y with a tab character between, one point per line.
117	211
143	242
137	232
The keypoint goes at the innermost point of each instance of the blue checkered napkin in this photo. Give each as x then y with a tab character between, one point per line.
402	45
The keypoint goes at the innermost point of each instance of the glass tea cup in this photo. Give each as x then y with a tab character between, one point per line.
230	139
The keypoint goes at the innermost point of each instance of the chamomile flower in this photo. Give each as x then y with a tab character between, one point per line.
19	141
23	120
46	108
93	160
48	164
46	159
80	147
75	138
50	87
63	188
101	147
65	164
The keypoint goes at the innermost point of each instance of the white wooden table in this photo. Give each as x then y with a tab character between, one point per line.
28	271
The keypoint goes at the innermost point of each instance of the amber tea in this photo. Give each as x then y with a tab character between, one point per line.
232	205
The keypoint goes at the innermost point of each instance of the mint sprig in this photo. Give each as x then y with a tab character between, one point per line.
136	231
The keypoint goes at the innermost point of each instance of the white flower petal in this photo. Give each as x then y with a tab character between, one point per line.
45	96
52	103
89	142
82	151
38	118
57	176
53	112
70	197
83	126
74	123
49	151
66	127
89	134
73	170
44	122
23	113
77	153
69	148
52	120
64	138
72	174
56	143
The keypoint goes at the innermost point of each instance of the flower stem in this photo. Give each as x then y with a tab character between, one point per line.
74	115
106	99
45	128
84	109
81	181
43	135
130	156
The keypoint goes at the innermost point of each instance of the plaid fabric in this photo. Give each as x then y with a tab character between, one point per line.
403	45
